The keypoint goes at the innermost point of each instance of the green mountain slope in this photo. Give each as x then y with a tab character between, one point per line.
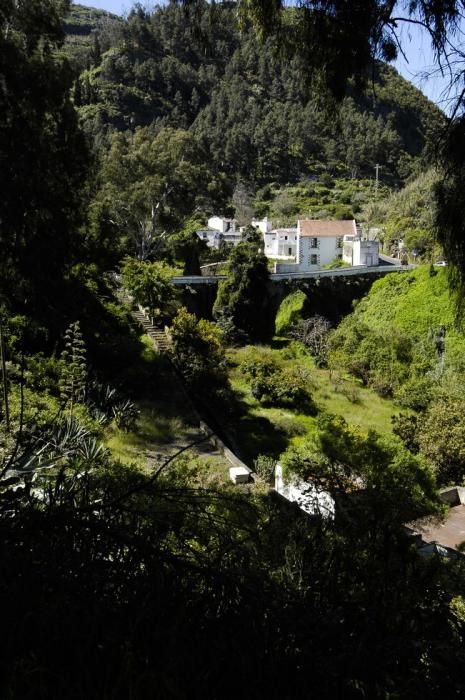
87	28
402	337
250	107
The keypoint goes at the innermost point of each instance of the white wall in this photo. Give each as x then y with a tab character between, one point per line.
281	243
222	225
263	225
366	253
327	249
359	252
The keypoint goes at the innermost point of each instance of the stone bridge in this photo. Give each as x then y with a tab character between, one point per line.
330	293
379	270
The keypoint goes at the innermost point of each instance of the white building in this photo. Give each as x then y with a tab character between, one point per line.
357	251
263	225
307	496
280	243
218	223
318	243
220	230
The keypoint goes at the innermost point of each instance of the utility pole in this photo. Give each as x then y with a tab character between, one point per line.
377	178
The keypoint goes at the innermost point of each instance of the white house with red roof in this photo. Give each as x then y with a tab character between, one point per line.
319	242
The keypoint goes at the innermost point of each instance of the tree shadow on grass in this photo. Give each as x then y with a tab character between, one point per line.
257	435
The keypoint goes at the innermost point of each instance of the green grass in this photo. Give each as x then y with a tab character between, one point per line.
166	419
155	429
290	311
369	411
271	430
161	429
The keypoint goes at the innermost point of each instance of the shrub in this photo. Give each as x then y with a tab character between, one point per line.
278	387
313	333
416	393
198	353
441	437
264	468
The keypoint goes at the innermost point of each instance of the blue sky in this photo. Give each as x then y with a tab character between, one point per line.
418	53
116	6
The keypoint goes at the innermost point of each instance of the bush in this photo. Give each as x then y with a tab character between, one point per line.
416	393
264	468
327	181
441	437
198	353
278	387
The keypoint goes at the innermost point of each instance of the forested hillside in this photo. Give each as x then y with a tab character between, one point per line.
252	109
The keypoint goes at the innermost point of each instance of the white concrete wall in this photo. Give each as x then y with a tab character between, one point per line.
263	225
366	253
327	249
278	244
220	224
211	238
359	252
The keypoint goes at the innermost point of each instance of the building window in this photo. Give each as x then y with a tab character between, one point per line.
285	238
314	243
313	259
289	251
339	243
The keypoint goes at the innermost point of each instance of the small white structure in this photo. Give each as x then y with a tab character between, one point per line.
319	242
357	251
280	243
218	223
220	230
239	475
307	496
263	225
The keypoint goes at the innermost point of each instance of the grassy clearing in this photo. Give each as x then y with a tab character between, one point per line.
166	422
271	430
154	430
158	434
368	410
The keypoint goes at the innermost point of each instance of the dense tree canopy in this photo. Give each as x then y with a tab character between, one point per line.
43	156
151	182
250	107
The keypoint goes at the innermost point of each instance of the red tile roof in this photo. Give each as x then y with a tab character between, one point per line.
318	228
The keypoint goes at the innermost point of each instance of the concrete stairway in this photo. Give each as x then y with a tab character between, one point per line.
156	333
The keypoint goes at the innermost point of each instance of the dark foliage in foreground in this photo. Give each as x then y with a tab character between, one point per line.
115	584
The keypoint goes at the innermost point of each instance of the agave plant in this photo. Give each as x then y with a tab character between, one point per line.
65	437
91	450
125	414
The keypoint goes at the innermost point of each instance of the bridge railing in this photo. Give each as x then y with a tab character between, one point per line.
278	276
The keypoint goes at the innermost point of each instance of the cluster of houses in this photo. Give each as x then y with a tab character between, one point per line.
307	247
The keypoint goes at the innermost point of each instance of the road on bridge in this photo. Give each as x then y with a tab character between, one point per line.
279	277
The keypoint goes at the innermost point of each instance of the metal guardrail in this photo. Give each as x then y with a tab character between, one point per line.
279	276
